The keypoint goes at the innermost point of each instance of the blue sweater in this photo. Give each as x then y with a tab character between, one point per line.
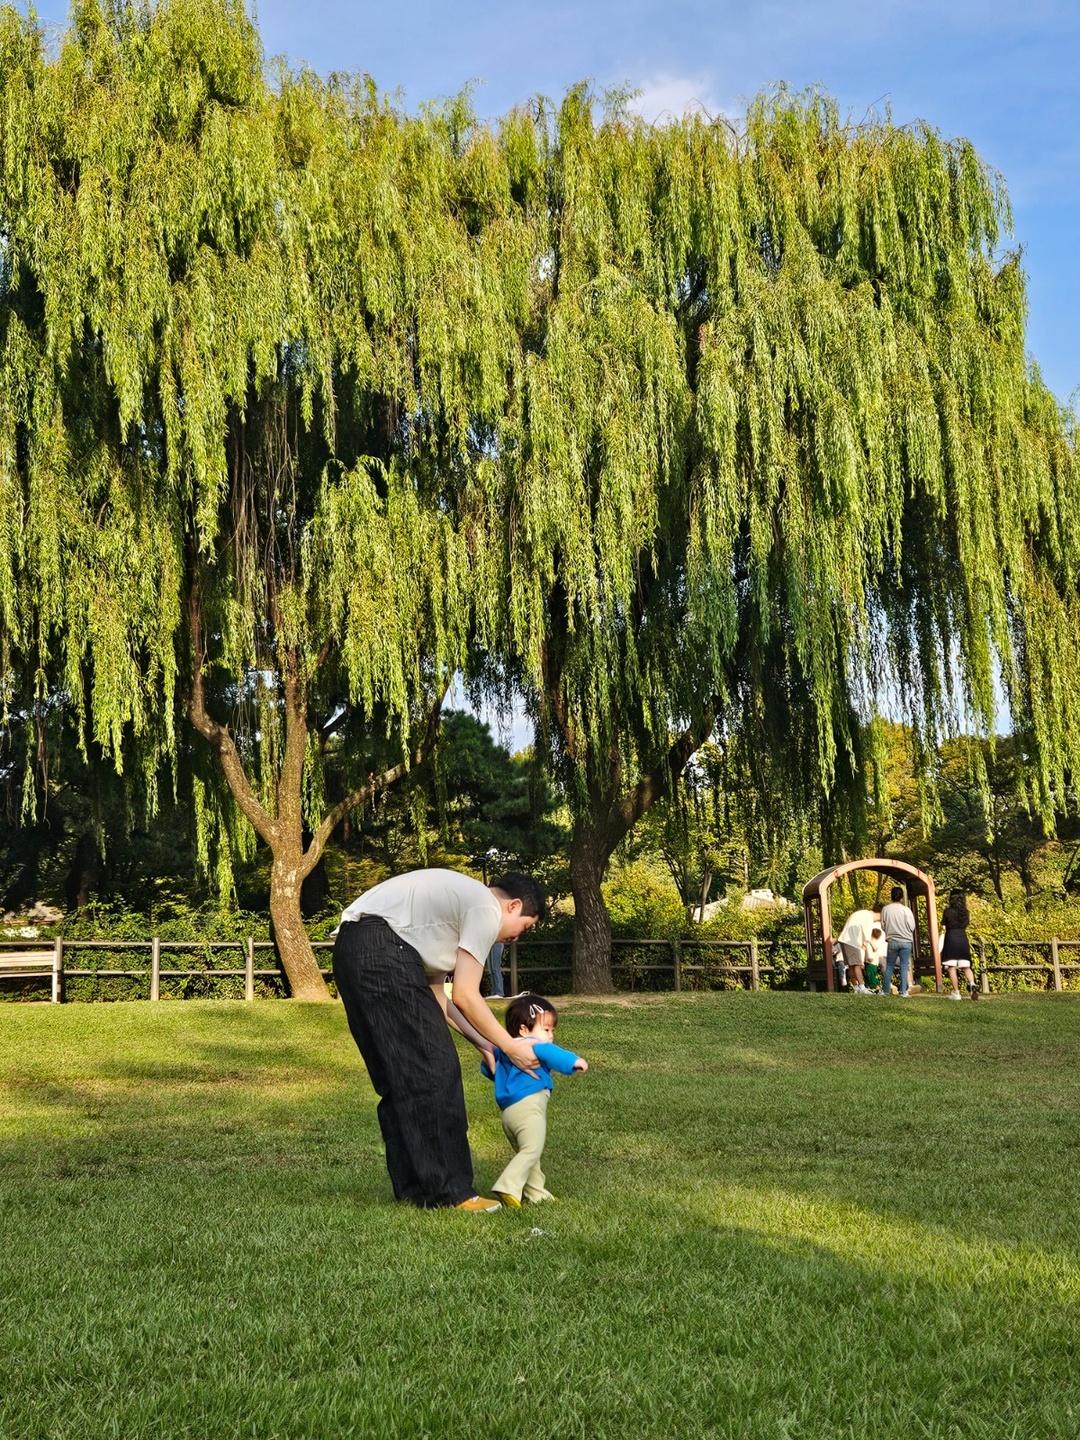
512	1084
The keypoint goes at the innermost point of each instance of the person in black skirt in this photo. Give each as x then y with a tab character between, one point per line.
955	946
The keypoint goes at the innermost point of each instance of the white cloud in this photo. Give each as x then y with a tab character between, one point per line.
669	97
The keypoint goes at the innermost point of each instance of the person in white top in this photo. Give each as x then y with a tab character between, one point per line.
395	947
853	940
898	922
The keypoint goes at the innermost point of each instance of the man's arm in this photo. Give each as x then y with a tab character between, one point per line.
457	1021
470	1004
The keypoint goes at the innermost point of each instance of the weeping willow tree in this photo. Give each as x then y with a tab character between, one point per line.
778	462
306	404
248	337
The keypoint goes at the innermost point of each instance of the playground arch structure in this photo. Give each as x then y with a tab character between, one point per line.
918	890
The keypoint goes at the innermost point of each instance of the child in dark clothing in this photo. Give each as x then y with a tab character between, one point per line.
522	1096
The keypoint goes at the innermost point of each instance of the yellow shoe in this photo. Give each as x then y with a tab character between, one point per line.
510	1201
478	1205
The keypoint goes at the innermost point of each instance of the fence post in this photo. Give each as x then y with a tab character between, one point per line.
58	970
1056	962
513	968
755	974
249	969
676	964
984	974
155	968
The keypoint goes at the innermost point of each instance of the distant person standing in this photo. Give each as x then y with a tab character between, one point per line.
955	945
898	923
497	990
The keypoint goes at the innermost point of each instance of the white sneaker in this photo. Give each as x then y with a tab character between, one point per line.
955	995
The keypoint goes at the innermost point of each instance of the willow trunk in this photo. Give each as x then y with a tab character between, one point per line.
294	948
589	855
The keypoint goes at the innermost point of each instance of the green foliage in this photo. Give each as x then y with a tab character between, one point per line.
719	834
471	801
306	404
173	918
205	931
779	447
641	904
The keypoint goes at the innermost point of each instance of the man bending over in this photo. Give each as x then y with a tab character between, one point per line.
395	947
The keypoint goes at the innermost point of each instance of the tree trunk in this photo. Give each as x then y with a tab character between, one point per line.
315	887
297	957
592	924
295	849
609	819
706	886
84	877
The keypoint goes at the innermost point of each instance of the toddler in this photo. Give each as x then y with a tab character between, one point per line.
523	1097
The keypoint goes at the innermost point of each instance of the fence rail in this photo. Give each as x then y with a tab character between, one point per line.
48	962
55	954
675	965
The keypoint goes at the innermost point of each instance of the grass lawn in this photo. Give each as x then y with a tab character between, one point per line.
783	1217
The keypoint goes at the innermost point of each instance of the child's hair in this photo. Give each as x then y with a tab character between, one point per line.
523	1013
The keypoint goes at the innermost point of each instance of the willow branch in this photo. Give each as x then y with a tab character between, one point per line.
374	785
218	735
662	777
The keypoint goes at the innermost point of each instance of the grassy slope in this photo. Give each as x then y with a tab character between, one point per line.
783	1216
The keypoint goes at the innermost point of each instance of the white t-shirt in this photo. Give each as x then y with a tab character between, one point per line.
877	947
437	912
857	930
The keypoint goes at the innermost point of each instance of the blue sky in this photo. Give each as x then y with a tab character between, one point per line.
1008	78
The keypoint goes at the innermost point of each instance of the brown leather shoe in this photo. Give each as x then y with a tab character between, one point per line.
478	1205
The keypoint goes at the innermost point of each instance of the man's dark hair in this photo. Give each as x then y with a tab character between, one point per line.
523	1013
897	893
516	886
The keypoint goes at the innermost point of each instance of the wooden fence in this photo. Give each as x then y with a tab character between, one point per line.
55	962
685	963
988	960
676	966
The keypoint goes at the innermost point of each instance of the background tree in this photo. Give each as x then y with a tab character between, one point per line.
245	335
716	833
468	799
776	454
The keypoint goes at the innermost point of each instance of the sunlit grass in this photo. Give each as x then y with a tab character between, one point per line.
781	1216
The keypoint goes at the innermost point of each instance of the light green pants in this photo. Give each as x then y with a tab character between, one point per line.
525	1126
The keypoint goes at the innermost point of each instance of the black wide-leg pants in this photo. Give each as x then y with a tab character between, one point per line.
401	1032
